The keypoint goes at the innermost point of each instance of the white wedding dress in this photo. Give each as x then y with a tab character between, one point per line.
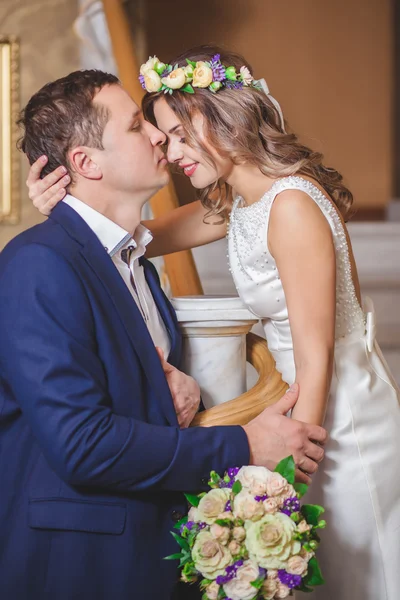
358	482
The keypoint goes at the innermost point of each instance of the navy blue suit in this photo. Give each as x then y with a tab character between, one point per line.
92	461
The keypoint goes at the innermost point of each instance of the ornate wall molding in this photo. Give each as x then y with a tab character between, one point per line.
10	159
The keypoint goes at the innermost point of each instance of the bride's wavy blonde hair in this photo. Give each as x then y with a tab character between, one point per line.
244	126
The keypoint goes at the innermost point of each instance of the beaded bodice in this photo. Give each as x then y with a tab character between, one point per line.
256	275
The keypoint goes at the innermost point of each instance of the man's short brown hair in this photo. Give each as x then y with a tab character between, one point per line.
61	116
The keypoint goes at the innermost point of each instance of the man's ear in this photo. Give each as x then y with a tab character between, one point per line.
83	164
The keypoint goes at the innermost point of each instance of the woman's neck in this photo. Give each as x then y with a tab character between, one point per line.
249	183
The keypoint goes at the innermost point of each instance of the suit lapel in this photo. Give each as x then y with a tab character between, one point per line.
97	258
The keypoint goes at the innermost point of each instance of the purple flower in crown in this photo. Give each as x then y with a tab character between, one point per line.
291	581
218	68
233	85
141	79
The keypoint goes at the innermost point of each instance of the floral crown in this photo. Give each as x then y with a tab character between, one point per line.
156	76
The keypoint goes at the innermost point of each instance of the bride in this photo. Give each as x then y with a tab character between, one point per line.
293	265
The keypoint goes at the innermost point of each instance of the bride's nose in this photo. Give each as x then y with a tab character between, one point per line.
174	152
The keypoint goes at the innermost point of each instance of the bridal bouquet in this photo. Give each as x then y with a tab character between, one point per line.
249	538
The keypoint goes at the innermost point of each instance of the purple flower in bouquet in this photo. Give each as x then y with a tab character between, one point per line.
290	506
261	498
291	581
228	506
230	573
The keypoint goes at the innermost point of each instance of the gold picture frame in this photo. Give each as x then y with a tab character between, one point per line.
9	110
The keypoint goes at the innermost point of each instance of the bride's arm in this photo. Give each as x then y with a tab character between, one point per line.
300	240
180	229
183	228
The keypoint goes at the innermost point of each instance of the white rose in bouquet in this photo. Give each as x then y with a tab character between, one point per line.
269	587
239	533
255	479
246	507
297	565
212	505
282	591
240	588
222	534
270	540
212	591
279	488
209	556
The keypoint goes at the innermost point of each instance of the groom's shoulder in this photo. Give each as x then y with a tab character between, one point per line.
40	242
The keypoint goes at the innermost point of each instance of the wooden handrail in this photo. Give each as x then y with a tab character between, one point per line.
180	267
269	388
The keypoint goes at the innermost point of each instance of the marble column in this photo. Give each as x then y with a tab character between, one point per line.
214	344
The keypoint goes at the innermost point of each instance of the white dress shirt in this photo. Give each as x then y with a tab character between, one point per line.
115	239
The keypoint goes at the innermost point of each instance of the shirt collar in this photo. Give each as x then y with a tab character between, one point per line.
112	236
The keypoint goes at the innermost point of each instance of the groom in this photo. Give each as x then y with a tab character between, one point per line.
92	460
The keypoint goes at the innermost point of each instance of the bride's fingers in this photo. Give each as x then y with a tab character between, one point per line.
35	170
38	187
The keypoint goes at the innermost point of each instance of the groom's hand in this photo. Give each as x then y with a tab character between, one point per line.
185	392
273	436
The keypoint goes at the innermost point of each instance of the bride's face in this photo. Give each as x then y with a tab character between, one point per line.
192	162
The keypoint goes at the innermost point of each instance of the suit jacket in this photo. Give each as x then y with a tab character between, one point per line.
92	461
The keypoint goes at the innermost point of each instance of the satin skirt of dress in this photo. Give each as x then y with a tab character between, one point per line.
358	482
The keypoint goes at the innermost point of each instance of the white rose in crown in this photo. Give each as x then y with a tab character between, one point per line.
209	556
175	80
202	75
152	81
247	77
212	505
255	479
149	65
269	540
240	588
246	507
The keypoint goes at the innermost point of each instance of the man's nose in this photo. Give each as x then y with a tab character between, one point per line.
157	137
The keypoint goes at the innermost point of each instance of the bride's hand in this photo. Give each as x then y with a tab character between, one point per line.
47	192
